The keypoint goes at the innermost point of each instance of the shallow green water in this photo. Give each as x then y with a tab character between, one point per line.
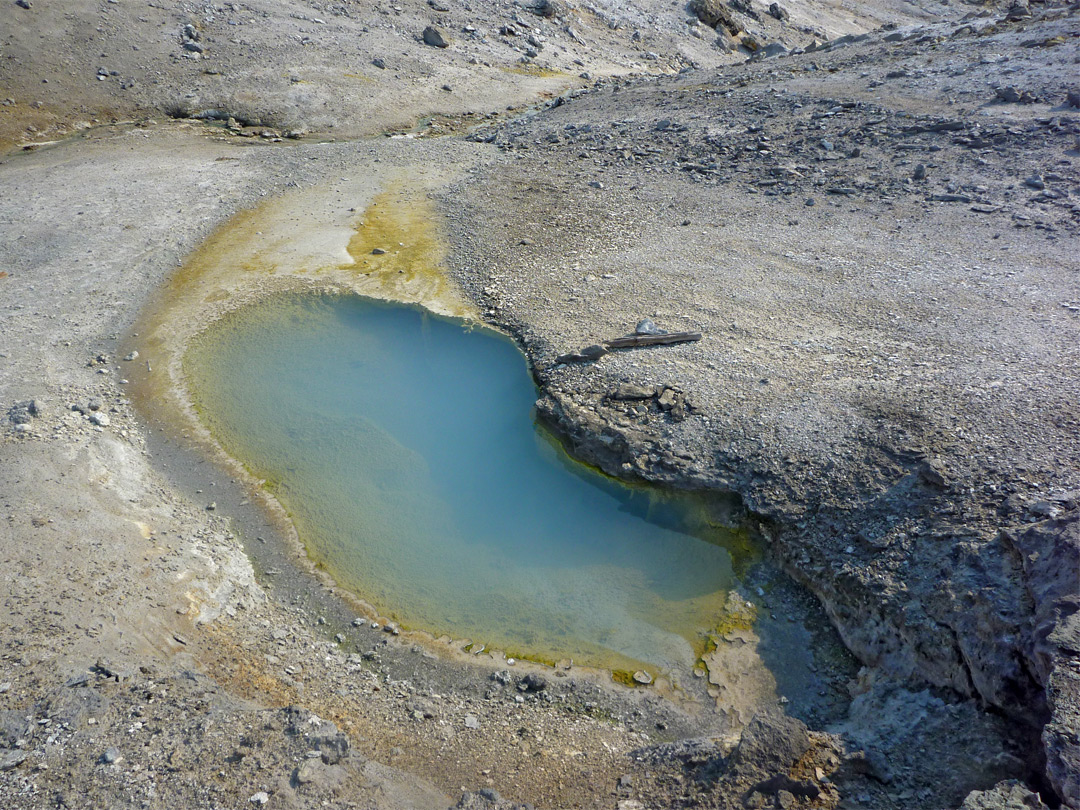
403	446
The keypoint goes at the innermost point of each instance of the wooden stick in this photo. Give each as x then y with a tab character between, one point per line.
630	341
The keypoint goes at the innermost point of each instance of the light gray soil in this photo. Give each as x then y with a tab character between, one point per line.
887	380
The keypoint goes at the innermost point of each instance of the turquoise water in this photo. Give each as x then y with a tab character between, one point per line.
404	448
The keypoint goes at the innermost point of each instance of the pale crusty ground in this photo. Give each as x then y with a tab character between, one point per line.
129	604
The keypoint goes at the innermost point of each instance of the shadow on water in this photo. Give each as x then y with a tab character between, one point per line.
402	446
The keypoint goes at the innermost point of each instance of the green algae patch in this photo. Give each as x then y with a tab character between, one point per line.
396	245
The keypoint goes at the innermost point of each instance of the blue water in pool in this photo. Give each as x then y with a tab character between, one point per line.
403	446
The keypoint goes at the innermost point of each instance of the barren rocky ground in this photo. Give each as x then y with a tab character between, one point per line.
872	223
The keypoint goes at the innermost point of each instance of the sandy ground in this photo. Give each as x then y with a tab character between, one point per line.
887	379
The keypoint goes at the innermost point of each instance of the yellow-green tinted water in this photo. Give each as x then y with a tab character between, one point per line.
403	447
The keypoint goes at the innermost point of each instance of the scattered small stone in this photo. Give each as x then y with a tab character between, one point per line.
545	8
99	419
593	352
435	38
1072	98
1019	10
132	356
1036	182
379	62
933	473
309	771
533	683
960	198
810	202
586	355
630	391
377	252
260	798
22	413
111	756
421	710
642	677
1010	95
471	721
12	760
778	11
647	327
715	15
919	173
773	49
